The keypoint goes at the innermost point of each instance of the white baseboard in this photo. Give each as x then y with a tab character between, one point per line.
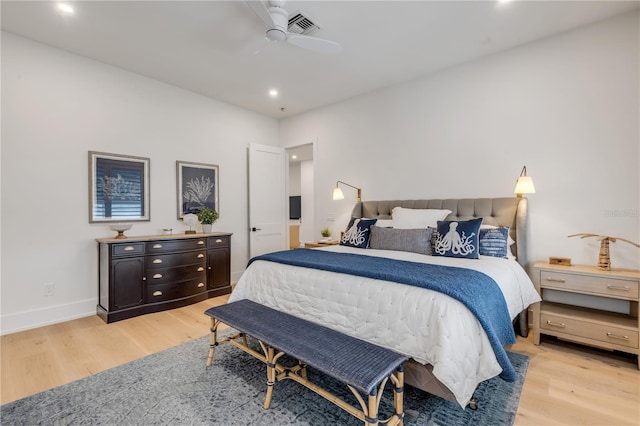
35	318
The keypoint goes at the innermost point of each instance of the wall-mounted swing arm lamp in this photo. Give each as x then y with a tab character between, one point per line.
524	184
338	195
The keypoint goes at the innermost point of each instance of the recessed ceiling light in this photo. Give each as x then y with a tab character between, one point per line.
65	8
294	156
273	93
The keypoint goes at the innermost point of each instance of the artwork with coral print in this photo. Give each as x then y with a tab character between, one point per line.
457	238
197	187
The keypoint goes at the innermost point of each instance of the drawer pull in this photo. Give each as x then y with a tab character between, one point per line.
157	260
157	293
618	287
555	324
156	276
556	280
129	248
615	336
218	240
201	242
157	246
200	269
200	256
200	285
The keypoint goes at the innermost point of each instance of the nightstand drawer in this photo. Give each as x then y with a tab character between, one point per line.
590	330
586	284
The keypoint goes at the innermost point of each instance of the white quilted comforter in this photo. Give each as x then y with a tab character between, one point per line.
428	326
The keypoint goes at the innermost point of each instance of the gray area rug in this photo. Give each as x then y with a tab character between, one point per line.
173	387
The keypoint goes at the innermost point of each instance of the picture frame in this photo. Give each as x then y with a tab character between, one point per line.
119	188
197	187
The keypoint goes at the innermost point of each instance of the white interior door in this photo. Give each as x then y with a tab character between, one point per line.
267	199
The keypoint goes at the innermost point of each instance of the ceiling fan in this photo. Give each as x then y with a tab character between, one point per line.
276	18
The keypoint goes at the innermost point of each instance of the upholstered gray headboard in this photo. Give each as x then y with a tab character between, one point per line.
510	212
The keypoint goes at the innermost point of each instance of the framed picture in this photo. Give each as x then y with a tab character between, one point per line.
118	188
197	187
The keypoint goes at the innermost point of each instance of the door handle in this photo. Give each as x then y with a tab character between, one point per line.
256	229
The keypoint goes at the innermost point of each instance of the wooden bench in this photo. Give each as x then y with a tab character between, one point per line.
362	366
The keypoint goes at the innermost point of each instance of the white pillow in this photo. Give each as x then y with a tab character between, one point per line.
416	218
384	223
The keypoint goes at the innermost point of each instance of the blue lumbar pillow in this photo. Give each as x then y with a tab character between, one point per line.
357	233
458	238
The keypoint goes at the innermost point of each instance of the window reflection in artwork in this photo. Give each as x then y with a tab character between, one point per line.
119	188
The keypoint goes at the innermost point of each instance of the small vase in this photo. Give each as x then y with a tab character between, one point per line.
206	227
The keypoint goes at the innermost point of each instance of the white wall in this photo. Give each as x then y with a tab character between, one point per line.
294	179
566	106
307	184
56	107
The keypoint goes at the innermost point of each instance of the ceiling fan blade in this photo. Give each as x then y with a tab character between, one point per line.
261	10
319	45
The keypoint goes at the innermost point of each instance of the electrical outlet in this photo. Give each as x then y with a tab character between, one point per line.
49	289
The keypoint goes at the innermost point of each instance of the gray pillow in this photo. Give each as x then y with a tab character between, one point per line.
412	240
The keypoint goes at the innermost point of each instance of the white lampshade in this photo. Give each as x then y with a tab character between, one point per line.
337	194
524	185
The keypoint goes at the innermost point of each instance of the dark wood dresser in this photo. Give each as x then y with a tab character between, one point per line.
139	275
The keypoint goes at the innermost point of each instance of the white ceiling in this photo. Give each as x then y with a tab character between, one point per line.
209	47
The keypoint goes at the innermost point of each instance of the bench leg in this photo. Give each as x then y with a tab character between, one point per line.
271	376
372	415
213	340
398	395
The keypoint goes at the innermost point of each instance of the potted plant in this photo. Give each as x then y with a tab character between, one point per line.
326	233
207	218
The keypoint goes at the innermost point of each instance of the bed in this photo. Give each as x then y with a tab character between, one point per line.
451	349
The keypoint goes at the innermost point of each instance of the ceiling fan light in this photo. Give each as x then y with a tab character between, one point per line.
275	34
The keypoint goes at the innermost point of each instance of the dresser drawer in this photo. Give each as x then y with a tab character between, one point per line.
127	249
177	259
590	330
162	246
178	273
222	241
160	293
588	284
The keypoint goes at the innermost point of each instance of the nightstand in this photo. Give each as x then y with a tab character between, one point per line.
579	304
321	244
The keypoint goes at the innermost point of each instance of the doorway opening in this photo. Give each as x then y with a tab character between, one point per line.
301	172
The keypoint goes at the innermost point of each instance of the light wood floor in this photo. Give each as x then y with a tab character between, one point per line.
565	384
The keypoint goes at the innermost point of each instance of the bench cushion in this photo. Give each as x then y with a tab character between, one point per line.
352	361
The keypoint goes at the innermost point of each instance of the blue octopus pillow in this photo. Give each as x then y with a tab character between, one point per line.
458	238
358	233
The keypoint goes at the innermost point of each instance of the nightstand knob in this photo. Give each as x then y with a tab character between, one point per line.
613	336
555	324
618	287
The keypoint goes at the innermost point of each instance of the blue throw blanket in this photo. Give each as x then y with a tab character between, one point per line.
477	291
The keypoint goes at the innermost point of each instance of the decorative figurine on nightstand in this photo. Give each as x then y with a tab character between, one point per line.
604	260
